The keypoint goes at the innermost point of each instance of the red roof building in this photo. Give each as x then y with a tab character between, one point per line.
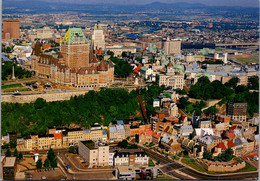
221	145
230	144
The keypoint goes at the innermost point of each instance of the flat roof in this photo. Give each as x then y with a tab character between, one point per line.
10	161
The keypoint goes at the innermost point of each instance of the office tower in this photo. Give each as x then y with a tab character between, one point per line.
11	29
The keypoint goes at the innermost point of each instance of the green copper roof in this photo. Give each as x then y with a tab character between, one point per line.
74	36
166	62
97	27
202	74
206	51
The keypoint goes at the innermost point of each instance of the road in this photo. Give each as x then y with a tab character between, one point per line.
174	169
76	173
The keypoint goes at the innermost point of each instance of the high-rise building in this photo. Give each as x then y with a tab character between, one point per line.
237	111
75	48
98	38
11	29
44	33
172	47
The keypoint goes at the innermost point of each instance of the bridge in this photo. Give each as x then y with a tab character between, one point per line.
236	45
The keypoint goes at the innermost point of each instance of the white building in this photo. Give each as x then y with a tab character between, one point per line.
94	153
44	33
119	49
172	47
98	38
172	79
130	157
148	74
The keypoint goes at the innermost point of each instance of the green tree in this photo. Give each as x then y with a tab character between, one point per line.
51	155
15	153
72	149
124	54
40	103
183	102
253	83
110	53
54	163
8	153
47	163
123	144
39	164
8	50
233	82
13	143
20	156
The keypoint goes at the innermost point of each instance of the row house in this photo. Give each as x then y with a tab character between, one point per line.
129	157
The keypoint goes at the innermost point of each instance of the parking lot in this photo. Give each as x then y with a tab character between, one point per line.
55	174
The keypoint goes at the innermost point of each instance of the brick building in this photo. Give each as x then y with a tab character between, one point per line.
237	111
11	29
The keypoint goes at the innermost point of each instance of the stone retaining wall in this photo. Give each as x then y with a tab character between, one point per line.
49	97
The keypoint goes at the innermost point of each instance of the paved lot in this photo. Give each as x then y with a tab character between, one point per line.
50	175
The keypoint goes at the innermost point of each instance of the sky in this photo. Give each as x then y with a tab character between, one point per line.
248	3
243	3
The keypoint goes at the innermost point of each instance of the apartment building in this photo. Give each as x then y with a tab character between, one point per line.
129	157
94	153
237	111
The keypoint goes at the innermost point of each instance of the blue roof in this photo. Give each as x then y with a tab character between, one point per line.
104	132
120	122
120	128
86	130
112	129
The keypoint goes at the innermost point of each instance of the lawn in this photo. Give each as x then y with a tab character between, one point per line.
175	157
186	156
248	168
151	164
249	60
11	86
192	163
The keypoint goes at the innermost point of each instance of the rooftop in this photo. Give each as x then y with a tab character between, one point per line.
10	161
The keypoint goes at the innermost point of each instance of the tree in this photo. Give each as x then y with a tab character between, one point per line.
20	156
40	103
47	163
8	50
183	102
72	149
8	153
158	162
233	82
253	83
5	146
51	156
13	143
137	138
211	110
207	155
110	53
39	164
54	163
123	144
124	54
15	153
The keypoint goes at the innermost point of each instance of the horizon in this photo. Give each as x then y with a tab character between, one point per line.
224	3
